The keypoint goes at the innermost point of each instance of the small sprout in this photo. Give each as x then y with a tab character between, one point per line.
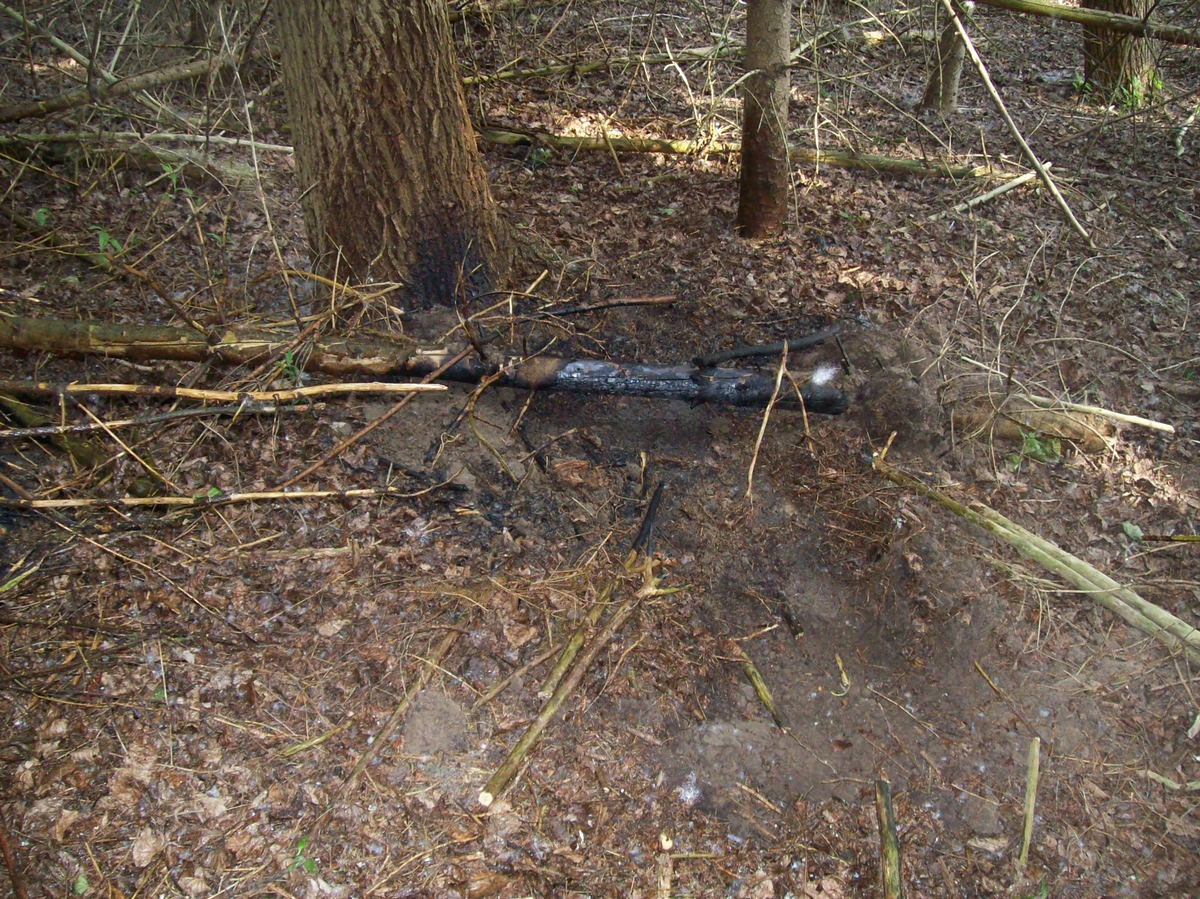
105	240
1132	531
41	215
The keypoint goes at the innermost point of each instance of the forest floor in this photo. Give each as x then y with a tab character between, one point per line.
199	701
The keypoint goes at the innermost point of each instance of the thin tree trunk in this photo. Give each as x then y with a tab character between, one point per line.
393	186
941	92
763	193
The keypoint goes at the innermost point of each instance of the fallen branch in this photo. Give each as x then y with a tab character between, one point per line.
1172	34
516	757
377	357
216	497
81	96
90	65
848	159
1145	616
41	388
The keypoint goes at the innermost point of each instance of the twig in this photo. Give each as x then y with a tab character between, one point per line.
498	781
840	158
90	65
156	137
664	300
770	349
1042	171
990	195
432	664
761	690
159	418
762	428
1052	403
18	884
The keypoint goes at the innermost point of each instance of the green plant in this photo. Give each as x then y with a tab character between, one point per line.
289	370
174	174
105	240
1036	447
301	860
41	215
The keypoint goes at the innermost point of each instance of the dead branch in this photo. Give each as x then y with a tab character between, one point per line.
1142	614
517	755
81	96
1172	34
41	388
358	356
1042	171
848	159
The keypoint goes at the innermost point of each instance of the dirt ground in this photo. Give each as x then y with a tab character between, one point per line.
305	695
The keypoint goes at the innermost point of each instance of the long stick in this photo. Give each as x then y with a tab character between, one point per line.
1012	126
498	781
81	96
41	388
1172	34
1147	617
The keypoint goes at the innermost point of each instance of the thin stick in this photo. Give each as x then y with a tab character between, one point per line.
18	883
159	418
214	497
761	690
432	664
84	95
1042	171
990	195
1031	785
40	388
1052	403
498	781
762	428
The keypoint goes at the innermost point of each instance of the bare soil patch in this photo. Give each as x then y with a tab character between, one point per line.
186	694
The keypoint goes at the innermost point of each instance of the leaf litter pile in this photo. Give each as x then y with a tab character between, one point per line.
249	650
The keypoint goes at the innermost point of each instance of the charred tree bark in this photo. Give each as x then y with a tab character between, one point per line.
397	359
1118	68
393	186
763	190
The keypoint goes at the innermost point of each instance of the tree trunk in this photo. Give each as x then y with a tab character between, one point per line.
763	194
1118	68
393	185
941	92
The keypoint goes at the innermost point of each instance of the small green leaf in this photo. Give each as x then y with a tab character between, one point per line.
41	215
80	885
1132	531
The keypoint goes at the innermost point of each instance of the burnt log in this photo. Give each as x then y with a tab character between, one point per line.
399	358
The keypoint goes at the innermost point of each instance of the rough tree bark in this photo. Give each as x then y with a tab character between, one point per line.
763	191
1118	68
393	186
